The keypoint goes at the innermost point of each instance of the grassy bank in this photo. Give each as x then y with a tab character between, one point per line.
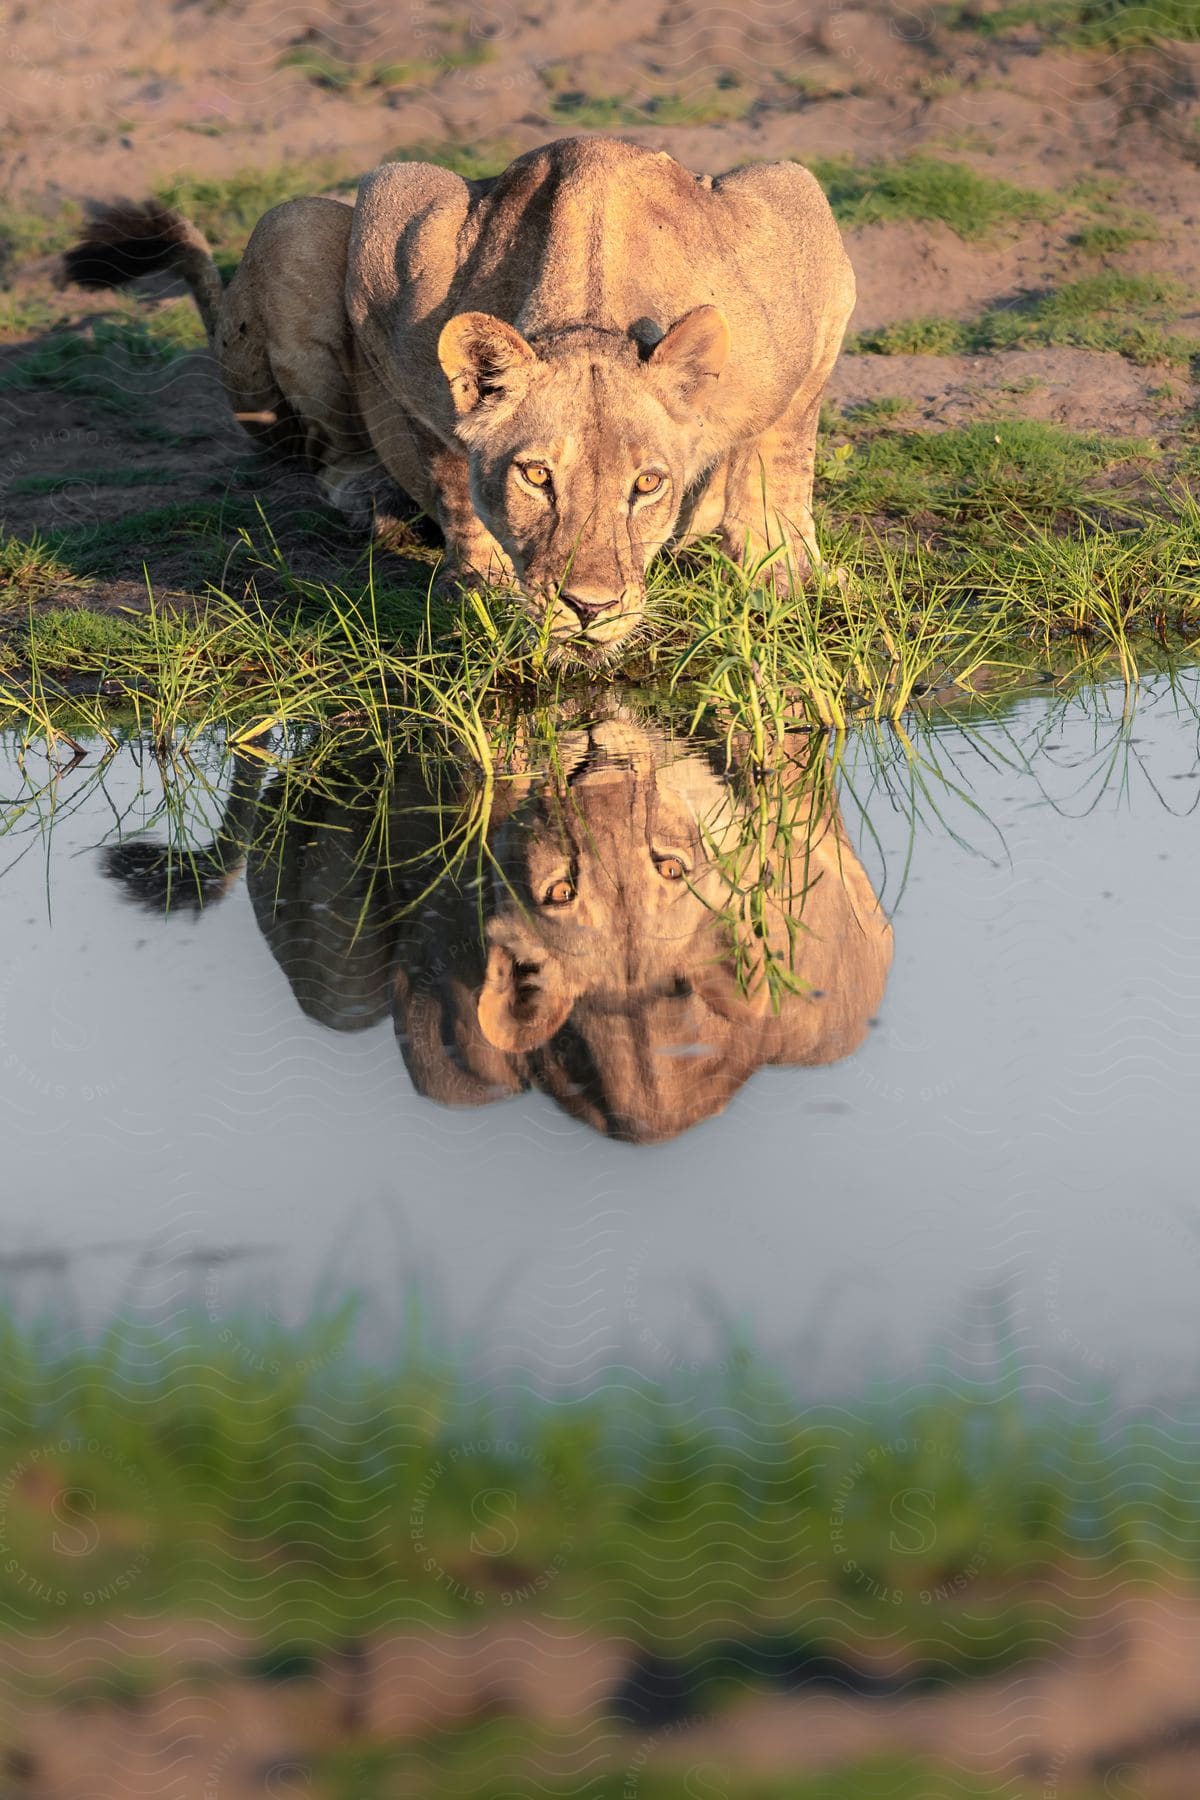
1128	314
889	625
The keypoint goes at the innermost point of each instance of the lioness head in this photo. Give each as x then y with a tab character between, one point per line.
611	977
606	889
582	444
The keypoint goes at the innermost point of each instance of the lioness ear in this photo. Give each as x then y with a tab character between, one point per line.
482	357
696	346
519	1007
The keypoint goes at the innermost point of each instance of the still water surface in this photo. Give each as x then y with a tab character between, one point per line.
248	1084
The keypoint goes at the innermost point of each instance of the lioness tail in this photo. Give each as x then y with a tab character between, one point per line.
129	239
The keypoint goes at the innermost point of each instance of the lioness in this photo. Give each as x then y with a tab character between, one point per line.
614	969
567	365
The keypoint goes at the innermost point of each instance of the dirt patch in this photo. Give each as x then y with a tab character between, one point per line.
1082	390
922	271
1123	1700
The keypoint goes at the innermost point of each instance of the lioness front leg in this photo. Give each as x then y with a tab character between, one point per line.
472	553
768	497
438	479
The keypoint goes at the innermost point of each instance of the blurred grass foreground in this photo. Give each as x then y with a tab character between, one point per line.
315	1564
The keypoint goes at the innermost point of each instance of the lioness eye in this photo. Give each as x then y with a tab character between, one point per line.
648	482
558	893
670	868
536	474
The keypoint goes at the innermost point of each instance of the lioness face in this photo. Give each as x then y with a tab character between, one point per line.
581	452
609	891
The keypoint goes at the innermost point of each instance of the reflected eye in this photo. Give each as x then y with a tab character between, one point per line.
670	868
558	893
536	474
649	482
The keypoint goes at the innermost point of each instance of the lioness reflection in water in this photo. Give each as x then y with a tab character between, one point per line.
641	932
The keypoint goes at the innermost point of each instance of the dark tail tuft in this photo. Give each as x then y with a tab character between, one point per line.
166	881
125	240
132	238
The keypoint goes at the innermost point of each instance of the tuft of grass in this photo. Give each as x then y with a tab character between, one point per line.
29	315
342	75
816	87
32	231
593	112
876	412
208	529
1105	311
1108	24
726	99
1110	291
986	469
927	188
1108	237
75	637
916	337
29	568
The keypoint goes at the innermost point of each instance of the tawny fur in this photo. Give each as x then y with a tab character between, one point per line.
596	309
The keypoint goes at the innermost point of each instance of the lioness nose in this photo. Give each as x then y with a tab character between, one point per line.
585	610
